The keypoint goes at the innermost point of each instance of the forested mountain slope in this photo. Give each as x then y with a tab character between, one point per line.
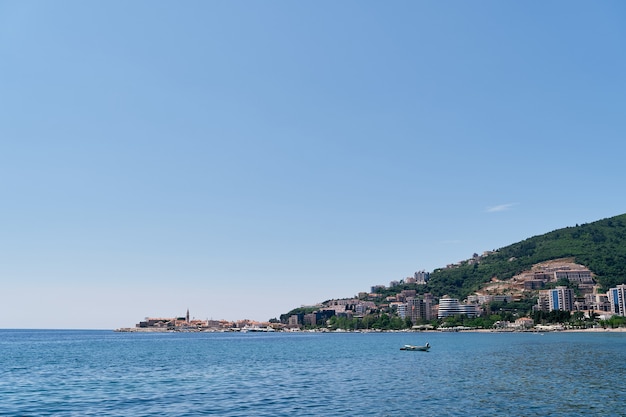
600	246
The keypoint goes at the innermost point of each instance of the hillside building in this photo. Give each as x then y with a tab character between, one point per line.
406	294
542	301
421	277
375	288
486	298
561	298
598	302
402	309
580	276
451	307
576	274
419	308
617	299
295	320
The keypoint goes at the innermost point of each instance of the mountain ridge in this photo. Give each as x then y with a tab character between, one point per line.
599	246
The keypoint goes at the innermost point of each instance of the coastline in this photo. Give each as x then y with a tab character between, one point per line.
598	330
589	330
443	330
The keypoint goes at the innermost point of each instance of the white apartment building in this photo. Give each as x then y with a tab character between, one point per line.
402	308
577	276
452	307
561	298
421	277
617	298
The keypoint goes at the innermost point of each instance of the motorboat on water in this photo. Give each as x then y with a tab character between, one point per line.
423	348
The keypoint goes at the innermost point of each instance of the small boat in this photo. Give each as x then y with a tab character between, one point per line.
413	347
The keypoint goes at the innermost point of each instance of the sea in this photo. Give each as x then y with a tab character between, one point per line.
105	373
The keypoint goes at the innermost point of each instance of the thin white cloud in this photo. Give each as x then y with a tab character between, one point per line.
501	207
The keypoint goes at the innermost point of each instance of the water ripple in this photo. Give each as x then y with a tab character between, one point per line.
75	373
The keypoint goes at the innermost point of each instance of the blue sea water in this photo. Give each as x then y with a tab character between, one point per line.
102	373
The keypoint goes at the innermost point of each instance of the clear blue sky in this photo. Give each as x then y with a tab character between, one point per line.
244	158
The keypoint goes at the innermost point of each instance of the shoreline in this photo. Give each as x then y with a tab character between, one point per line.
598	330
449	330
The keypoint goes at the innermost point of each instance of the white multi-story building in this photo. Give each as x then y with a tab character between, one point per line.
469	310
472	299
402	308
561	298
582	276
363	307
421	277
617	298
452	307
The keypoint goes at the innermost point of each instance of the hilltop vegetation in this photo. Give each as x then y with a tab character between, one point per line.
600	246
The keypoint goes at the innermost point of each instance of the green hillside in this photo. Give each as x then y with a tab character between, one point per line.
600	246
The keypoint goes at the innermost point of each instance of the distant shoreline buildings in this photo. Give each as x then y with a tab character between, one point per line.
184	323
420	308
408	304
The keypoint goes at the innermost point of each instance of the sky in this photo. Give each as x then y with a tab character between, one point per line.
241	159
